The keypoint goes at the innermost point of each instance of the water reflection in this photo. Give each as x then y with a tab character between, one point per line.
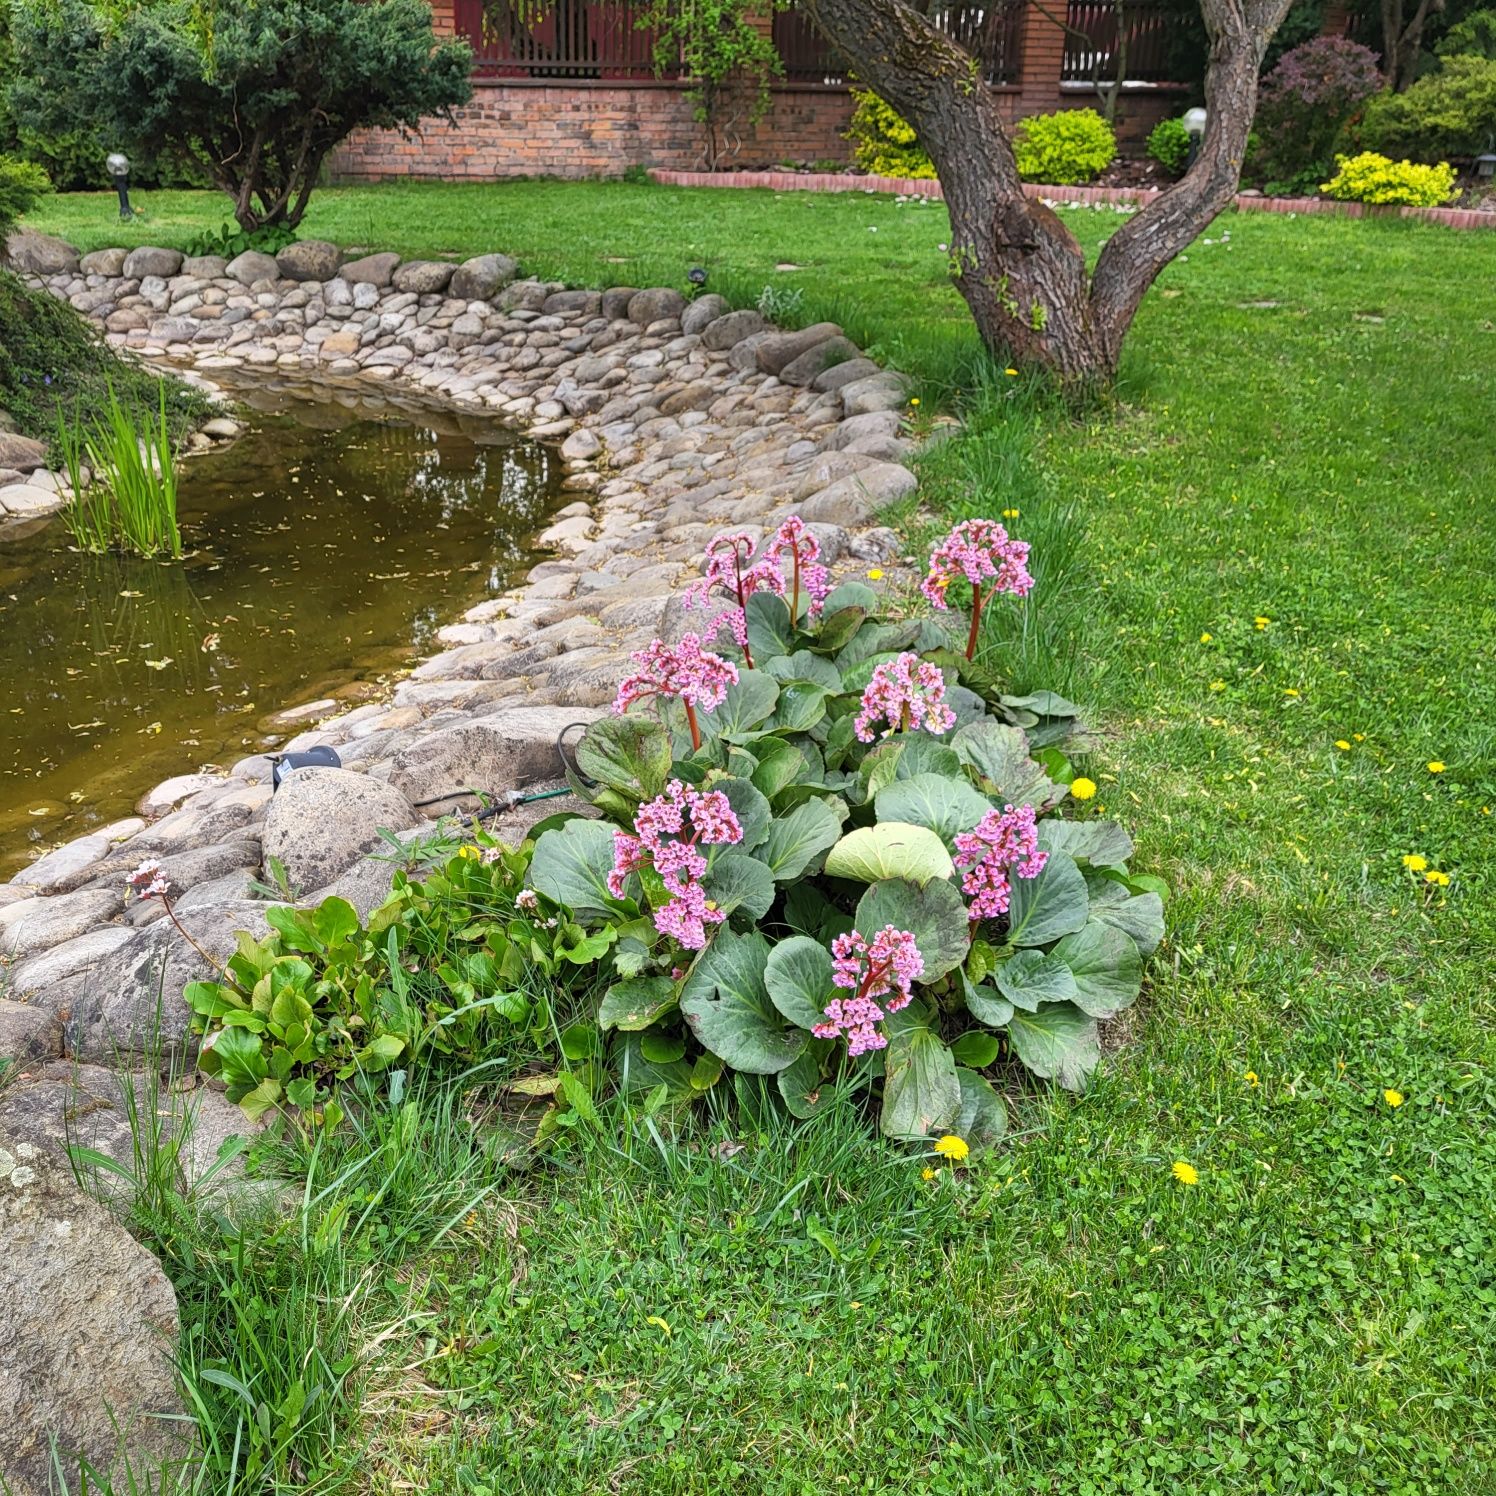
324	551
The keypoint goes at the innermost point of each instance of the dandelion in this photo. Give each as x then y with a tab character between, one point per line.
1394	1099
914	399
1002	843
1082	788
1342	745
1186	1174
1261	622
927	1173
1218	685
952	1147
685	670
1010	513
1206	638
1438	879
978	549
1251	1079
883	969
875	574
1414	863
1436	766
905	693
470	853
1011	373
1360	737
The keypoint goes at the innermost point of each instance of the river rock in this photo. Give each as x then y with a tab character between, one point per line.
28	500
40	254
371	270
365	885
731	329
104	262
702	311
559	303
27	1034
205	267
615	302
654	305
480	278
505	750
855	428
22	454
41	971
252	266
884	391
775	353
810	365
321	820
69	866
423	277
38	924
148	260
309	260
853	501
90	1325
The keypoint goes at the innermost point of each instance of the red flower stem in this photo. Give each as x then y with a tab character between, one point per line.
691	723
172	915
795	605
737	567
976	621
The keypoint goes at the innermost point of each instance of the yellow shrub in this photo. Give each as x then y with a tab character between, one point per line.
884	142
1370	178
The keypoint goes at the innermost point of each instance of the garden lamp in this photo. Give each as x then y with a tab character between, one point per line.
1485	166
697	277
117	164
1194	125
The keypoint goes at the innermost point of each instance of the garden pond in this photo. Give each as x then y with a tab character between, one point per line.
324	549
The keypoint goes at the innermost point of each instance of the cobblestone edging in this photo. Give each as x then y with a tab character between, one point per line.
791	181
676	419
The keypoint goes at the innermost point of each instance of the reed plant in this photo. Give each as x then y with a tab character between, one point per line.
132	501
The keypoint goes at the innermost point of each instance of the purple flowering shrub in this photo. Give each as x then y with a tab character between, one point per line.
836	854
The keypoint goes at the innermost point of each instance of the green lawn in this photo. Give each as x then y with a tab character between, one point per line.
1280	541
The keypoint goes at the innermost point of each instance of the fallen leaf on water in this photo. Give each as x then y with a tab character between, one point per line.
132	594
158	664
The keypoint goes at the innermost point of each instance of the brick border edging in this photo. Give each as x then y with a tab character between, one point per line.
790	181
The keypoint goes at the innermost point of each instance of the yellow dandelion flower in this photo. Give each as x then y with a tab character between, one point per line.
875	574
1289	691
1261	621
1392	1098
1436	766
927	1173
1251	1079
952	1147
1342	745
1414	863
1185	1173
1083	788
1206	638
1011	373
470	853
1218	685
914	400
1438	879
1360	737
1010	514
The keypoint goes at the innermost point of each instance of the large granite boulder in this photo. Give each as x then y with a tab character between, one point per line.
322	821
309	260
480	278
39	254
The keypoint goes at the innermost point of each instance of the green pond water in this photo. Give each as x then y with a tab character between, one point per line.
325	549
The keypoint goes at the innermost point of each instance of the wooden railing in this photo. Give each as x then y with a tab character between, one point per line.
564	39
1093	52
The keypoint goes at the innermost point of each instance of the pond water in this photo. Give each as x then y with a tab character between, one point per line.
324	549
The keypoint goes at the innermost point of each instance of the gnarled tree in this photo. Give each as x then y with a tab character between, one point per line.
1022	272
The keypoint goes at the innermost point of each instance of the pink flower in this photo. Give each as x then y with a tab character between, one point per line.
1004	842
888	964
685	670
797	539
148	880
978	549
670	830
904	693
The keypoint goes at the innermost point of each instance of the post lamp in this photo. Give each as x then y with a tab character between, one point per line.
1194	125
1485	166
117	164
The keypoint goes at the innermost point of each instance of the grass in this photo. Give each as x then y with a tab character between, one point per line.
1302	437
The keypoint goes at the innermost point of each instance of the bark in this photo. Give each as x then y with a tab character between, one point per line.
1021	271
1402	39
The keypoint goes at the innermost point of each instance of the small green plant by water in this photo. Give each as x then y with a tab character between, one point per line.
132	502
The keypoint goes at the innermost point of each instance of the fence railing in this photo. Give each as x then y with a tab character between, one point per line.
1093	53
564	39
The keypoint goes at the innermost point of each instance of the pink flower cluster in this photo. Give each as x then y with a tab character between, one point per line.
904	693
670	831
978	549
728	568
148	880
695	675
1005	842
880	971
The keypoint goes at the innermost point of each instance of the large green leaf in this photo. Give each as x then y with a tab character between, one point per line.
797	841
798	978
739	883
983	1118
1044	703
984	1004
1053	904
1059	1042
729	1010
946	806
638	1076
851	595
873	640
634	1005
804	666
630	754
1031	978
1140	916
933	913
769	630
1106	966
999	755
745	707
800	706
571	866
921	1094
805	1095
751	809
1101	843
780	764
891	849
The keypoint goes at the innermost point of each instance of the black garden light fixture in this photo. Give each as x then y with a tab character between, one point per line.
697	277
117	164
1485	166
1194	125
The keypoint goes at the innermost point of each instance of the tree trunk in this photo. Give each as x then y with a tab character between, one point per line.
1021	271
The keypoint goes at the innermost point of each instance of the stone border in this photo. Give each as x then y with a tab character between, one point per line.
789	181
675	420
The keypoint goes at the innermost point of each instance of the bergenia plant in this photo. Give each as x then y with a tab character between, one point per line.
882	970
982	551
904	694
1002	843
685	672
